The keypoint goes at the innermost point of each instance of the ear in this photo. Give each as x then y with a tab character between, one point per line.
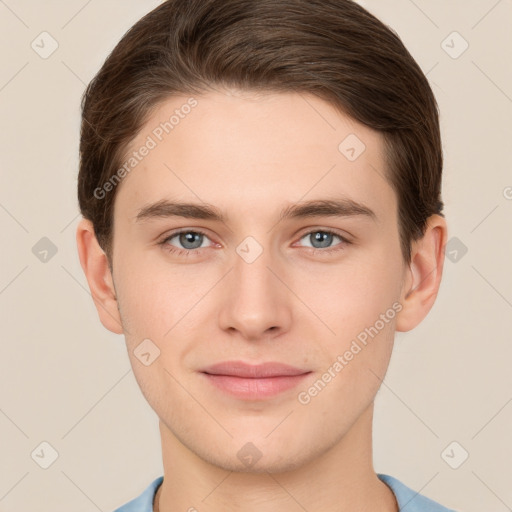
423	276
95	266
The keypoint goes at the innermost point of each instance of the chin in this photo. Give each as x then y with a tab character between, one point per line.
268	463
241	455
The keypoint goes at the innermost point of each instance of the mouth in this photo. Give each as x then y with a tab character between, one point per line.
254	382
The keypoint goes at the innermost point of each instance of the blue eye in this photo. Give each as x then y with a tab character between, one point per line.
192	241
188	240
322	238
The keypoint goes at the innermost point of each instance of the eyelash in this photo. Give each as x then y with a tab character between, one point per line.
193	252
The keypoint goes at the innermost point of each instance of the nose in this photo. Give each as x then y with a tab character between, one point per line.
256	301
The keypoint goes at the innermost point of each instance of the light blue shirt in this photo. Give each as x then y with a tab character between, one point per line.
407	499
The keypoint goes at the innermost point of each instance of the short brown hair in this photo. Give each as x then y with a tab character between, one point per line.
333	49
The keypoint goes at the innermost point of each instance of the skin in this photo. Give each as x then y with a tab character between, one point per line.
250	155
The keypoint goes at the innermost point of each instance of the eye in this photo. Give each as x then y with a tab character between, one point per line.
189	240
322	239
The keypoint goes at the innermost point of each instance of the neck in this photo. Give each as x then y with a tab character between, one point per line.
341	478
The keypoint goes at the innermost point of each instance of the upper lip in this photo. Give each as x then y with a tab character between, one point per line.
251	371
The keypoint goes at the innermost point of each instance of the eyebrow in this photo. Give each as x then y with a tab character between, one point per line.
314	208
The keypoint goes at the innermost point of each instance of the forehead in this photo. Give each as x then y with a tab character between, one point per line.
252	151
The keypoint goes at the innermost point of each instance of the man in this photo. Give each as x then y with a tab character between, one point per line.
260	185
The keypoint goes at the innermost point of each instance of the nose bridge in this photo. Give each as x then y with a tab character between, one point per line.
257	300
251	266
253	280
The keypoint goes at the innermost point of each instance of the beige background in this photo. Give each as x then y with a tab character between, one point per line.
67	381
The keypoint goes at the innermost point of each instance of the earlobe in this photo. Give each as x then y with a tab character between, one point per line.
424	274
94	263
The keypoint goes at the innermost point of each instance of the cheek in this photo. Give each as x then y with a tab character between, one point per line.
353	297
154	296
360	309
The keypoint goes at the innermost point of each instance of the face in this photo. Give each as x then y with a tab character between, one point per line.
265	280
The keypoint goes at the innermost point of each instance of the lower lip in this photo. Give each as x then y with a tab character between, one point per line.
255	389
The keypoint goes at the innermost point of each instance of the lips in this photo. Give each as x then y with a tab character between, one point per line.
259	371
254	382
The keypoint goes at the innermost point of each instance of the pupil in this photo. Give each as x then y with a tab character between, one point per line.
319	235
189	238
